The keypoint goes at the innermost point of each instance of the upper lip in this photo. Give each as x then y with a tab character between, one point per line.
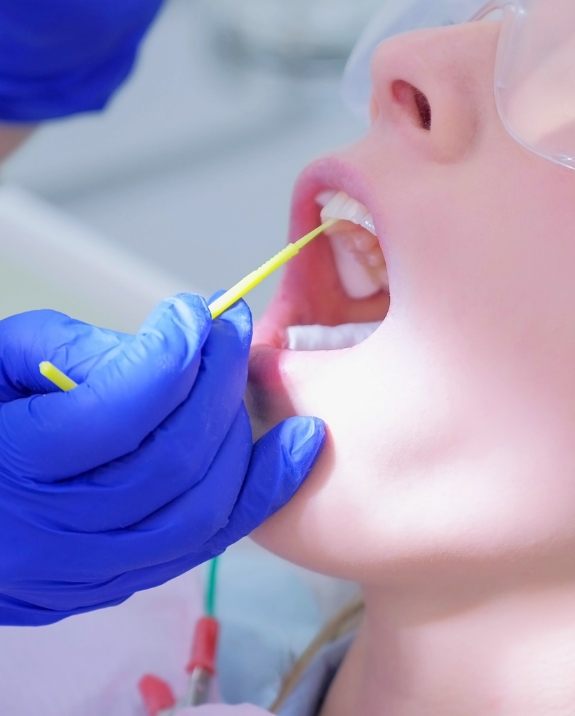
321	175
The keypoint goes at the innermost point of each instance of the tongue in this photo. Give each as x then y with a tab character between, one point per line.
328	338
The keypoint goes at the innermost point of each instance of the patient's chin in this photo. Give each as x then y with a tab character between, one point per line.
276	534
294	532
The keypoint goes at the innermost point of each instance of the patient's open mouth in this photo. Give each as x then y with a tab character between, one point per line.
331	298
360	266
357	253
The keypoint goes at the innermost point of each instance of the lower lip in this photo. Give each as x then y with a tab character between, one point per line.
267	398
269	353
264	363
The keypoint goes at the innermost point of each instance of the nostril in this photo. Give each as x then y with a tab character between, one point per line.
414	101
424	108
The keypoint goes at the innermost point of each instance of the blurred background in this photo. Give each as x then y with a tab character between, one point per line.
184	183
190	169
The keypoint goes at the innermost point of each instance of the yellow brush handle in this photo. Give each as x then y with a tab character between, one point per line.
56	376
218	306
238	291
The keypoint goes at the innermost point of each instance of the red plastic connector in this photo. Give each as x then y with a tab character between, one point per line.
156	694
205	646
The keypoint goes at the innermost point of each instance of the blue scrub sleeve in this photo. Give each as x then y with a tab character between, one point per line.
60	57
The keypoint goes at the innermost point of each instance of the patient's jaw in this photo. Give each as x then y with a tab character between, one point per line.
448	483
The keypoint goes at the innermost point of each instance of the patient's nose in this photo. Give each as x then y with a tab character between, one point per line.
436	87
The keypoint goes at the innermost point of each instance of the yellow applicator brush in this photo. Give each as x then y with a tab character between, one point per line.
222	303
56	376
254	278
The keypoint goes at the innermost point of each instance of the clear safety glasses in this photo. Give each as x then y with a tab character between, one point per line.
535	69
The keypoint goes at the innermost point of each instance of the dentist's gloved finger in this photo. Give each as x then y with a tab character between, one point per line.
280	462
57	436
187	532
16	612
179	452
284	458
104	559
29	338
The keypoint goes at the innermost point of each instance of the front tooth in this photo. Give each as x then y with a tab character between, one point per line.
367	223
357	254
342	206
325	197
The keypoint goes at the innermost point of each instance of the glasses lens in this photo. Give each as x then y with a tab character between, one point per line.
394	18
535	77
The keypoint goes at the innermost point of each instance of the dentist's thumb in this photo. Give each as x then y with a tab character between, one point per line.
281	460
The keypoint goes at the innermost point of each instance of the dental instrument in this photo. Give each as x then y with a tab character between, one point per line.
55	375
254	278
221	304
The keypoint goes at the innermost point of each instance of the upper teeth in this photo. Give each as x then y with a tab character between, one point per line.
357	254
339	205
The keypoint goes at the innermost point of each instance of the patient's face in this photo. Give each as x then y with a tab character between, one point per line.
451	444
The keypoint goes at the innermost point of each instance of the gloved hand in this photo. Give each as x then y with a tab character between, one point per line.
59	57
142	472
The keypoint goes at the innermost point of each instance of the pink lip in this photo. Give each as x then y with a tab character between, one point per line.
310	290
299	286
326	173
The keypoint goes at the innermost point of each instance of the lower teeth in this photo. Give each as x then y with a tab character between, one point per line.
325	338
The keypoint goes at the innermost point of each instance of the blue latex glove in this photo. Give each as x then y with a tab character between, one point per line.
142	472
58	57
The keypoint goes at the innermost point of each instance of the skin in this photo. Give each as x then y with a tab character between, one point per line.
11	137
447	485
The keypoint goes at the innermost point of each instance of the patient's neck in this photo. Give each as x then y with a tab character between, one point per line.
506	656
